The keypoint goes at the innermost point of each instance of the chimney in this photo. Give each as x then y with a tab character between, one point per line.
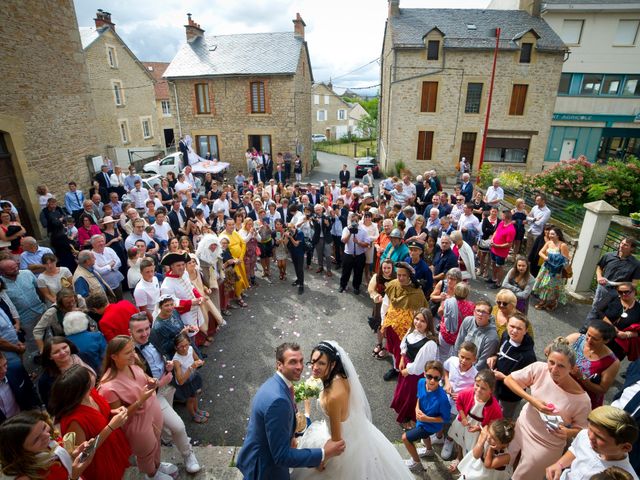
532	7
298	26
193	29
103	19
394	8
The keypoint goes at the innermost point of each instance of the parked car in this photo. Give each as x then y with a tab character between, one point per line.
318	137
150	181
365	164
171	163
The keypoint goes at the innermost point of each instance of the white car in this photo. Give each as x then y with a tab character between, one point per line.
171	163
318	137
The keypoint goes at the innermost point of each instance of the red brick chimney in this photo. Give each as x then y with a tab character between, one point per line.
103	19
193	29
298	26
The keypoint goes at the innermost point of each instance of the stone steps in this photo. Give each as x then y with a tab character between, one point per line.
218	463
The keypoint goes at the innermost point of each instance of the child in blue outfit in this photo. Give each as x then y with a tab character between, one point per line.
432	411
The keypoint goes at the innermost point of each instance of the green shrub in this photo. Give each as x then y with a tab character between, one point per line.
399	166
485	176
581	181
511	180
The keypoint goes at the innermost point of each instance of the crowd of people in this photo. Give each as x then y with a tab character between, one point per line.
114	317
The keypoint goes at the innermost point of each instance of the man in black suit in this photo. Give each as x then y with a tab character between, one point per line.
259	175
268	166
104	181
314	195
466	188
178	219
280	176
182	146
344	176
51	214
16	390
285	211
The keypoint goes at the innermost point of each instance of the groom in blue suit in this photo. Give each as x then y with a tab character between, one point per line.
268	450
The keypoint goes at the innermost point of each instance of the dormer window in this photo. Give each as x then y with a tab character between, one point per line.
433	49
525	52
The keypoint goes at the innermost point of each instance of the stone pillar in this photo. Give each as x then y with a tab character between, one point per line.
592	236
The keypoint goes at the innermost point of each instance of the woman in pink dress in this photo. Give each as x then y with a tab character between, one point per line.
556	397
125	383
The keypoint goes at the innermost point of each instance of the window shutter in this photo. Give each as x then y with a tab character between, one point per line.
429	96
425	144
518	98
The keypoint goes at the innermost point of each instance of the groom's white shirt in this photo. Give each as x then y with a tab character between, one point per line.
286	381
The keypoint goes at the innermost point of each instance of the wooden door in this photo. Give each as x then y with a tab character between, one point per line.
9	185
468	146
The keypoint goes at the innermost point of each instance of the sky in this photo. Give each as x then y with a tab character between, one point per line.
344	36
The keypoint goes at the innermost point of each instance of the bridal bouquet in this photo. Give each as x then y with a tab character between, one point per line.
310	388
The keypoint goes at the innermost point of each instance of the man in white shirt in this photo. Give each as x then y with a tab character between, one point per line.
408	188
182	185
221	204
204	206
107	264
189	178
469	225
357	188
399	195
139	196
139	234
162	227
494	194
536	220
605	443
147	291
335	190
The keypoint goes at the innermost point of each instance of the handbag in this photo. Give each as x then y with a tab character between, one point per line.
567	271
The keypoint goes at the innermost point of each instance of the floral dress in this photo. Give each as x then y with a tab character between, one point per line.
549	284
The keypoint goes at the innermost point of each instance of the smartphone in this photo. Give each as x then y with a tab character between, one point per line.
90	449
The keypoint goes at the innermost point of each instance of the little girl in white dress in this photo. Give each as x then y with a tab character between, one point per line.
491	448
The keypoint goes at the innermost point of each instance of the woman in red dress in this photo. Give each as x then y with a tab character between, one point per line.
79	408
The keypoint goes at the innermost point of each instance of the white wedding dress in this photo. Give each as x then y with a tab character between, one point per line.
368	453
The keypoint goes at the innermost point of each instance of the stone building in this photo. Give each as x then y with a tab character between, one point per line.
164	107
597	109
233	92
330	114
123	94
47	119
435	73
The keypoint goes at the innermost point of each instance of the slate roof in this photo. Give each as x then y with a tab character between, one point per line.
157	69
411	24
239	54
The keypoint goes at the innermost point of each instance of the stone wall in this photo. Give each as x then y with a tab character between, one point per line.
138	91
287	118
46	113
401	119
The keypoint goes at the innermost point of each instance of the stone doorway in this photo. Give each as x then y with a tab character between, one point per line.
9	184
468	147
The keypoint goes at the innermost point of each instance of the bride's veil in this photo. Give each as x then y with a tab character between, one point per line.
358	403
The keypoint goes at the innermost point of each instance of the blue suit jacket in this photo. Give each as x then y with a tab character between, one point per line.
266	453
466	191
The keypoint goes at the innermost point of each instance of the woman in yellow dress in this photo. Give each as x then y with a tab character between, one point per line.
403	298
237	248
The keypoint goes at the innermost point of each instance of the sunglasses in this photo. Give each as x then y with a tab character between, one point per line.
624	292
502	304
432	377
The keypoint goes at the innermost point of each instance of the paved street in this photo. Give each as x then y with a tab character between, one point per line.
242	356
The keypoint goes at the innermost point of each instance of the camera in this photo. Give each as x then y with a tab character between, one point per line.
353	227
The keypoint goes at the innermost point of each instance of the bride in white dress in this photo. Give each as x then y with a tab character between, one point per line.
343	403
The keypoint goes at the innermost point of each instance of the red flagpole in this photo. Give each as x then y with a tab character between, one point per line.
486	119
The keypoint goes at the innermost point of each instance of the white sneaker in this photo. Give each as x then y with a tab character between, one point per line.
191	463
415	467
447	449
424	453
435	440
168	468
159	476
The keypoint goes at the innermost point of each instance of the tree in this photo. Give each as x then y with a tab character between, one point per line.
368	125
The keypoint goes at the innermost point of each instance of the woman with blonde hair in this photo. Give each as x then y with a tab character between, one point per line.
451	312
124	383
504	309
251	237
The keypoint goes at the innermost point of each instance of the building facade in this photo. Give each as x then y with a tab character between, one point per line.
47	121
122	90
597	110
164	107
435	78
234	92
330	114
